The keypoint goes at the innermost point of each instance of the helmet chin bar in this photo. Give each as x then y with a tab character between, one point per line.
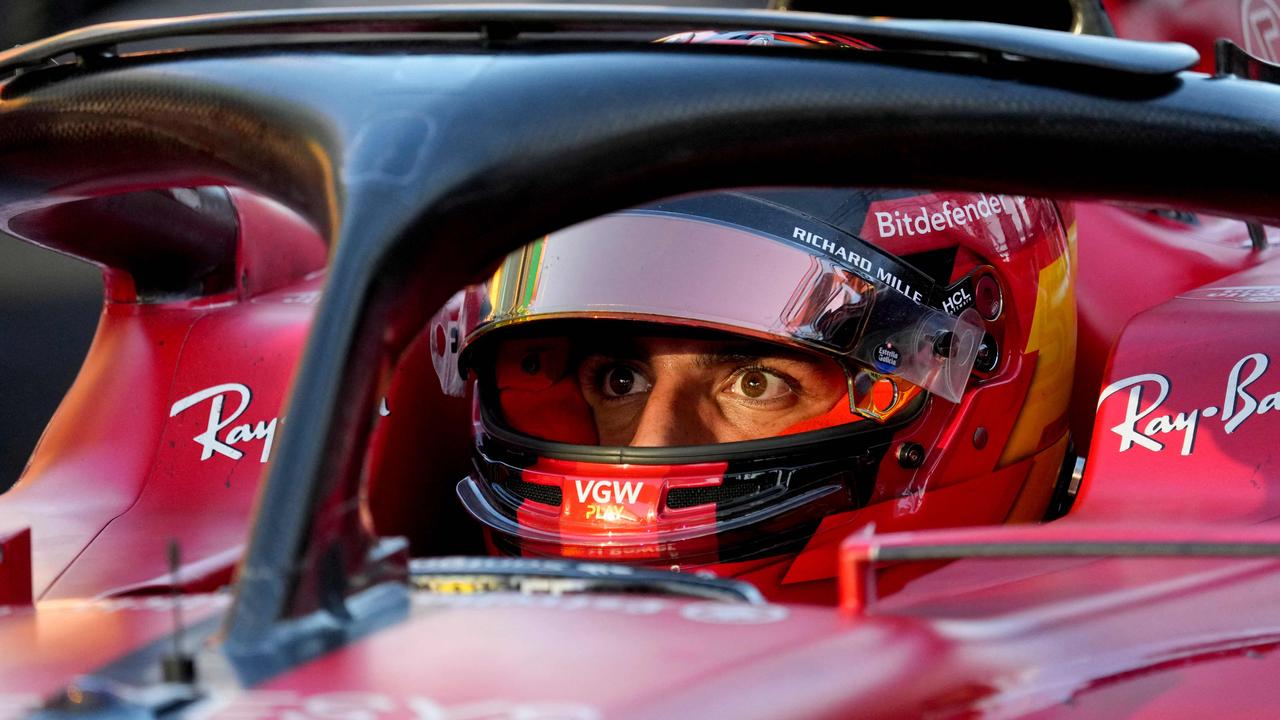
687	505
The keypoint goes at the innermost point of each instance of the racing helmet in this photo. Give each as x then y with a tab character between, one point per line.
937	331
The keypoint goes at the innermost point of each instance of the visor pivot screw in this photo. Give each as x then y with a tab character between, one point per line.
910	455
988	354
980	438
942	345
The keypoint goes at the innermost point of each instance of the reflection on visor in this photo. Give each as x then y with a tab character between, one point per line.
679	270
647	267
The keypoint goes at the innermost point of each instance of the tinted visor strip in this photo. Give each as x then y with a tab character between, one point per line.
810	234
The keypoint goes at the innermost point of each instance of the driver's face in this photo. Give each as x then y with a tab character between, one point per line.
661	391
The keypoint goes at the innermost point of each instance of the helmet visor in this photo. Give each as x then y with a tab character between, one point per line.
676	270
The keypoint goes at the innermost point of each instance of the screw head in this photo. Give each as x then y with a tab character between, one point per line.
911	455
980	438
942	345
988	355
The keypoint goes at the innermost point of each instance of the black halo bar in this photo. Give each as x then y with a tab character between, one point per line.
997	42
1231	59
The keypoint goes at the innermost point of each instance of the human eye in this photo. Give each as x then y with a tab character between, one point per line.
619	380
760	385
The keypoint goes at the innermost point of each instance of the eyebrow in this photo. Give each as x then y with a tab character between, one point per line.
751	352
735	352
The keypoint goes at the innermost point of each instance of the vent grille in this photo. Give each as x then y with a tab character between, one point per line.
728	492
545	494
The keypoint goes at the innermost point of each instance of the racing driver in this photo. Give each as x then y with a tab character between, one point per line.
736	381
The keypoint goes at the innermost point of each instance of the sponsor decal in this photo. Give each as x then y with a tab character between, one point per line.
215	440
893	276
833	248
1260	27
1243	399
606	491
1244	294
353	705
949	214
607	500
719	613
220	436
887	358
958	300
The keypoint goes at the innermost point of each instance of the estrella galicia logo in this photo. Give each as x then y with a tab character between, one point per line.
887	358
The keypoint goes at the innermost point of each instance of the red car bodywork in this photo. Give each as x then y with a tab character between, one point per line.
1253	24
1173	393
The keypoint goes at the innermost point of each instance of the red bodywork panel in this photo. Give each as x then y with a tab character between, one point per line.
1252	24
1176	257
1126	637
1189	408
118	472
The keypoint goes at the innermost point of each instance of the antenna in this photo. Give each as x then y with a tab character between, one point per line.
177	667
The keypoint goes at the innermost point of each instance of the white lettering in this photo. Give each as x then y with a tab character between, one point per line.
896	283
209	440
884	223
921	222
605	491
1128	436
1236	391
984	208
958	300
1238	406
948	215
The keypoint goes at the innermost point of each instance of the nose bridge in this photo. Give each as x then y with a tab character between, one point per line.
671	415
